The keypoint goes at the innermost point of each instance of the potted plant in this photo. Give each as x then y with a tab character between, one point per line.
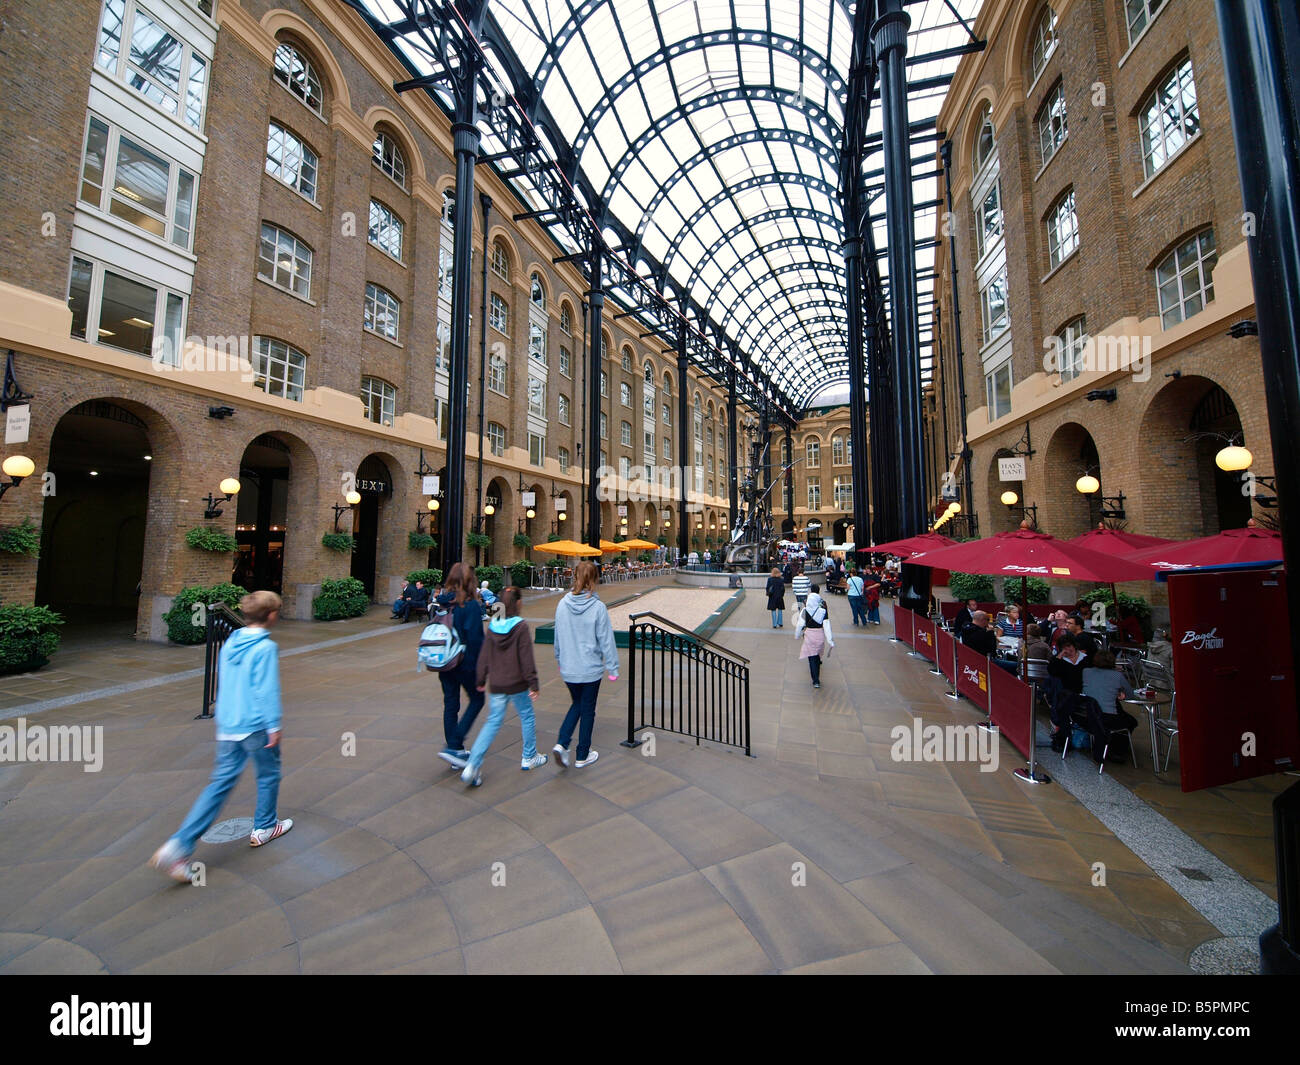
522	541
21	539
343	543
343	597
477	539
27	637
206	538
185	624
420	541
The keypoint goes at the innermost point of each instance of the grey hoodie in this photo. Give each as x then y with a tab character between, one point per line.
584	639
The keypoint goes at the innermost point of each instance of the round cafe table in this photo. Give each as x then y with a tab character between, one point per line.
1150	705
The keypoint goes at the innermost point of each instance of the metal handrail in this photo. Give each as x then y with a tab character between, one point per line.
687	632
221	621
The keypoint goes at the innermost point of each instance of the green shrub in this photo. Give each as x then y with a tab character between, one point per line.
663	541
420	541
1101	594
432	577
343	543
552	537
23	539
1038	591
522	541
27	637
975	586
206	538
494	575
343	597
519	574
646	557
183	621
475	539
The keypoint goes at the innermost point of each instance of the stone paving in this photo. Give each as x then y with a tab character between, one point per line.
821	854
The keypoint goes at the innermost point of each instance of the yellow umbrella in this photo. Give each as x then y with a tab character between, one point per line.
608	547
638	545
568	547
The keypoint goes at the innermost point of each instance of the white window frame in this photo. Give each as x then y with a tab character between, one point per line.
536	396
499	315
604	427
991	328
536	449
387	400
1053	125
537	342
1044	43
281	369
389	157
307	160
496	434
565	361
1200	262
498	374
990	389
292	80
814	487
812	450
1171	136
625	393
382	303
500	260
169	221
1071	341
564	412
1062	230
985	236
563	457
625	433
1139	14
296	249
186	102
384	223
164	299
566	320
536	291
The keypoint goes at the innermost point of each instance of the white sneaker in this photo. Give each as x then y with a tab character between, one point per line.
169	861
562	753
263	836
591	757
472	777
535	762
455	759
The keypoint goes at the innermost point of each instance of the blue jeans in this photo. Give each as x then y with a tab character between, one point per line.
777	618
582	715
873	613
455	727
231	756
523	704
859	611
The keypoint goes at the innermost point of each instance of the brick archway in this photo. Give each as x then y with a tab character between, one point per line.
1070	454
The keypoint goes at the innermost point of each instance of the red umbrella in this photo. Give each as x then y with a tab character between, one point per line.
1116	542
1230	547
1025	553
912	545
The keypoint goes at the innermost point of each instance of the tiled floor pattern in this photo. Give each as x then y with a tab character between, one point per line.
819	855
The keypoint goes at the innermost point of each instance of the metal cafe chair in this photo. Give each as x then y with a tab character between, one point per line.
1128	660
1155	675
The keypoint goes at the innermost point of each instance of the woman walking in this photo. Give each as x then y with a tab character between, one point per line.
814	625
460	597
506	663
776	598
585	648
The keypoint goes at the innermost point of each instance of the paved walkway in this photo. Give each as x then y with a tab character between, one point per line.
820	854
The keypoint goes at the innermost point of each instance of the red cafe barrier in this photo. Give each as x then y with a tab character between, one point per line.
973	676
925	641
903	619
945	648
1011	708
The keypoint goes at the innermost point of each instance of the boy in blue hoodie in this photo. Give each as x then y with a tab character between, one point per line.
248	725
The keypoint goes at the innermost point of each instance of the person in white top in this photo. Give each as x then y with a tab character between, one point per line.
813	624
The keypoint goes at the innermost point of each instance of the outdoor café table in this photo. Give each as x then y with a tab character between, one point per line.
1150	704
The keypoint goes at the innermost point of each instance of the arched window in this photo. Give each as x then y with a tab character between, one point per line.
625	394
500	260
497	368
649	374
294	71
984	144
389	157
537	294
1184	278
1043	40
627	359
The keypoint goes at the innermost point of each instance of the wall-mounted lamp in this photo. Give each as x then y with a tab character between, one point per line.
221	412
431	509
16	467
1029	512
229	488
1247	327
1107	394
489	510
353	498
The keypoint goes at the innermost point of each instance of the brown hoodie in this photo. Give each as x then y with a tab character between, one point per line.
506	661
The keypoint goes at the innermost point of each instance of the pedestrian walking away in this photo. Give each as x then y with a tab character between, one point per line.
813	625
248	726
776	598
585	649
873	603
506	665
801	585
857	594
461	598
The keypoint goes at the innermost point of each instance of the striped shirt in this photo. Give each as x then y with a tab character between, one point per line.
801	585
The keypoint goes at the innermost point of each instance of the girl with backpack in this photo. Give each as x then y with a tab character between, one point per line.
506	663
585	648
814	625
459	606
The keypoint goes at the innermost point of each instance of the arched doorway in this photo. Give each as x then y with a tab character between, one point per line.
840	530
94	522
1071	453
262	515
498	524
375	485
1184	494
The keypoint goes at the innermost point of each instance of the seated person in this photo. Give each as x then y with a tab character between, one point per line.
1129	628
1011	625
978	636
1083	640
964	616
1058	630
411	598
407	589
1161	651
1068	665
485	593
1036	647
1103	682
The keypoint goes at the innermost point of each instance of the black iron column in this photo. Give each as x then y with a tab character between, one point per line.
466	137
486	201
889	39
733	488
595	366
968	500
789	475
884	460
1261	62
857	369
686	464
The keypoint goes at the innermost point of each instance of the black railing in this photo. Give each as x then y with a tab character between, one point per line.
222	621
680	682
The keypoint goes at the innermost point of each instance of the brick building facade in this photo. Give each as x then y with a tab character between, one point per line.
255	181
1100	254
